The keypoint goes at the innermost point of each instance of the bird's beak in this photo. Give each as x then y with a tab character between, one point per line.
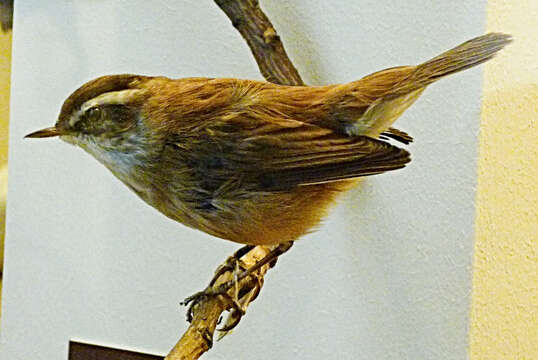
43	133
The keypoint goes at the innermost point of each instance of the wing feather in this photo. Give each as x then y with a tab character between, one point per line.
275	158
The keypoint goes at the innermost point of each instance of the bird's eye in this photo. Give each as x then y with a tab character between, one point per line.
94	113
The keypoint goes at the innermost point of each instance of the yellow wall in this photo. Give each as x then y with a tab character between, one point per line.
5	77
504	310
5	80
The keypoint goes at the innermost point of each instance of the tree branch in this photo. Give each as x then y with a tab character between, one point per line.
264	42
275	66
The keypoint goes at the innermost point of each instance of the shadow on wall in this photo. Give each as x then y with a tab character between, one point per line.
6	14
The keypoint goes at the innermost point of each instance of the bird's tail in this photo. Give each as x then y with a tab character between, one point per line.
402	86
464	56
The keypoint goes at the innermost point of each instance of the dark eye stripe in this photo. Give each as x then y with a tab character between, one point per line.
104	118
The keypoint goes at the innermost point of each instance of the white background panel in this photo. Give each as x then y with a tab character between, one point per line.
388	275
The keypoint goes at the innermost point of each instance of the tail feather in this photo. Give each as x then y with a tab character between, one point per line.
464	56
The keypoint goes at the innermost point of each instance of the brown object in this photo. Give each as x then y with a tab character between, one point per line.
80	351
249	161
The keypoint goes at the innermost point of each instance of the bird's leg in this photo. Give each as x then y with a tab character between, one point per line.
240	306
223	289
231	263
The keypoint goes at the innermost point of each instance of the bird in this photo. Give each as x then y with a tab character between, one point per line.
249	161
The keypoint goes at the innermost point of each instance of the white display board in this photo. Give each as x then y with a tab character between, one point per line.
388	276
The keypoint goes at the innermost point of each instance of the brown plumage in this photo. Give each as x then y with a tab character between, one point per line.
250	161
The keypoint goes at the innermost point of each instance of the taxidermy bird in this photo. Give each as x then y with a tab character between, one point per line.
250	161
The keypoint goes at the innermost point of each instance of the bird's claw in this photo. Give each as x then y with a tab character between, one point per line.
233	263
222	290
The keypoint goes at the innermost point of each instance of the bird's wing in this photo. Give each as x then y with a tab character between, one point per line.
276	157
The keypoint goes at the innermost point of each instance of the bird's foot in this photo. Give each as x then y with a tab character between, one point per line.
232	264
240	298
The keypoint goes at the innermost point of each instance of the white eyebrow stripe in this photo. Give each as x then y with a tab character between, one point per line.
111	98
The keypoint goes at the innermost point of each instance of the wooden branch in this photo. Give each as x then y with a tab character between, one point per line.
264	42
275	66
